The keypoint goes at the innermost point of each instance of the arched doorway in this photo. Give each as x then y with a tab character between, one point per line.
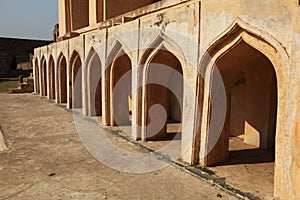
51	78
37	77
44	77
250	85
163	79
120	92
94	84
76	81
62	79
252	93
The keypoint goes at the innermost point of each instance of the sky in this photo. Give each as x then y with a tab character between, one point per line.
28	19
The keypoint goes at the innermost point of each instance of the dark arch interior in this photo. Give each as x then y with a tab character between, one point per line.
76	84
44	78
37	75
52	78
62	80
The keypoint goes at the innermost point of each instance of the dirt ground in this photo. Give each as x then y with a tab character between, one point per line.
47	160
248	169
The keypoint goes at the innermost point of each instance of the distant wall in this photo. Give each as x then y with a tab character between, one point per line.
15	51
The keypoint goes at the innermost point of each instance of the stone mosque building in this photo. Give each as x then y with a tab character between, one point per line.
233	67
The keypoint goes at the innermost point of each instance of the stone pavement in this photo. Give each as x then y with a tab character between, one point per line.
46	160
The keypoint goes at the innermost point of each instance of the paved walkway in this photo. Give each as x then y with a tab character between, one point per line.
47	160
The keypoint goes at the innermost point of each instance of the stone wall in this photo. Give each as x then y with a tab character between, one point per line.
15	51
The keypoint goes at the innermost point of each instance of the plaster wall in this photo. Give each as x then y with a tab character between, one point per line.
96	11
118	7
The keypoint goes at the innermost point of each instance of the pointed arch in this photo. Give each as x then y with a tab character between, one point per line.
161	47
51	75
37	76
120	93
43	76
116	48
241	30
75	84
93	72
118	102
160	41
61	79
247	44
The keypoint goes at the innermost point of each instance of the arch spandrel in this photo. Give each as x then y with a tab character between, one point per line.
115	49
